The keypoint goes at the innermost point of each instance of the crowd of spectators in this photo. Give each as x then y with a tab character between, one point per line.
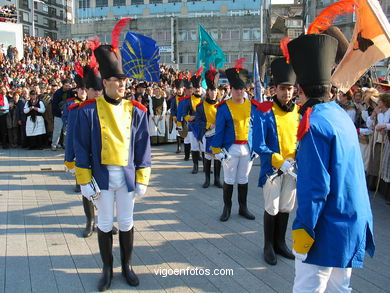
36	88
8	13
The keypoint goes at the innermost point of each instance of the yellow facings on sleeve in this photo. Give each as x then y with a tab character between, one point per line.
83	176
142	176
302	241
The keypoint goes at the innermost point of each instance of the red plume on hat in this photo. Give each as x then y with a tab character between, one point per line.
93	42
199	72
283	46
116	32
211	72
181	76
325	19
239	64
79	69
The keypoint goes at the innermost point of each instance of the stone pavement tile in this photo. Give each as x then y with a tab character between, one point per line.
3	240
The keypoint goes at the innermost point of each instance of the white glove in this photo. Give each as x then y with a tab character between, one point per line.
299	256
72	171
87	191
140	189
220	156
286	166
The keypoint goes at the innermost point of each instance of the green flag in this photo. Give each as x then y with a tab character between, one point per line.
208	52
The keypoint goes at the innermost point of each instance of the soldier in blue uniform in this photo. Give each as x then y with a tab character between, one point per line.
206	112
89	84
179	85
233	134
275	140
333	227
186	112
112	146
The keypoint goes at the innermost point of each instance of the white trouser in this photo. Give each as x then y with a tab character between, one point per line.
117	190
279	195
195	144
208	156
56	131
238	167
187	139
315	279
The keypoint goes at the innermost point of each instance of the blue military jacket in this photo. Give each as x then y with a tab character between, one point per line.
107	134
334	223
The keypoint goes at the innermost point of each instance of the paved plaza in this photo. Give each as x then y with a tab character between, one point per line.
177	228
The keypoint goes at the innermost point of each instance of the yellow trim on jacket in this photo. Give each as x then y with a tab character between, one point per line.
302	241
83	176
287	128
115	129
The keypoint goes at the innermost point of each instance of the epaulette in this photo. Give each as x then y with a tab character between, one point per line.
75	105
70	100
304	125
220	103
139	106
200	103
255	102
184	98
265	107
87	102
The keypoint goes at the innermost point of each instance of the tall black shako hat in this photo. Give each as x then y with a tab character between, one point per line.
282	72
92	78
238	76
196	79
178	82
187	81
312	58
212	78
109	57
79	78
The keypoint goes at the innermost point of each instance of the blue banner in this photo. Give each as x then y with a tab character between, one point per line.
140	56
256	80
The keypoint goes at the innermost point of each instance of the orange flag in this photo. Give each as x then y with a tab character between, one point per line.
370	43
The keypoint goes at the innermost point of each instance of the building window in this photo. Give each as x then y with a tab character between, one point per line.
45	8
182	36
119	2
193	35
155	1
294	33
26	30
84	4
183	59
36	17
225	35
135	2
25	16
191	59
235	35
256	34
101	3
246	34
233	57
45	21
214	34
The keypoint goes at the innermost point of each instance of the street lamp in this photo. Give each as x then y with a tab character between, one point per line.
33	15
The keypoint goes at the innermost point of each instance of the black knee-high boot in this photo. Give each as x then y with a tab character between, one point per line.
105	246
207	170
178	141
89	211
227	200
126	240
195	160
187	150
269	232
280	246
217	173
242	200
